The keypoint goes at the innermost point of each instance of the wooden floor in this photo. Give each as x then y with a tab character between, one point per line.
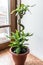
6	59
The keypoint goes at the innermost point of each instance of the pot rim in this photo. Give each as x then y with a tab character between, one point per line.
28	50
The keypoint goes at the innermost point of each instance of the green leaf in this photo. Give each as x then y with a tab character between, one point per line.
13	44
17	50
29	34
17	34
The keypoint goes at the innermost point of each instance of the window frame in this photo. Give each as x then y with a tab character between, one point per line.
13	20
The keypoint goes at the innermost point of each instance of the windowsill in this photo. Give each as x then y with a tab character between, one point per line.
4	41
4	45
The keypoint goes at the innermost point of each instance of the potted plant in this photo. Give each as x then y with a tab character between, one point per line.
18	49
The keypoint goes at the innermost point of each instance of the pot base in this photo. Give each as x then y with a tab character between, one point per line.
19	64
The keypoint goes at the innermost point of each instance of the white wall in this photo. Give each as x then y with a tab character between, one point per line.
34	23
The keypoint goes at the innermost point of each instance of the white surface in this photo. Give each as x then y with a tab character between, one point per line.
34	23
3	38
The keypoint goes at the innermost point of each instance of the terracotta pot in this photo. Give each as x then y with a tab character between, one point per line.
19	59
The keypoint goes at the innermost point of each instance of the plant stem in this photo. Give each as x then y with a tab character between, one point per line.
19	23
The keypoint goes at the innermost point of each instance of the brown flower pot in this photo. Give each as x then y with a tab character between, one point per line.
19	59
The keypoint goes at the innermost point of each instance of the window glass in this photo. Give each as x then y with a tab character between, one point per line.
4	20
4	13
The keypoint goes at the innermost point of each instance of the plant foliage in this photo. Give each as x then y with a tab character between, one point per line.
19	37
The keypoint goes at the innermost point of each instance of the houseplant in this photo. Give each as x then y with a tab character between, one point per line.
18	49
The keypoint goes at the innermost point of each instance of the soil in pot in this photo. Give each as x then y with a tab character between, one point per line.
23	50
